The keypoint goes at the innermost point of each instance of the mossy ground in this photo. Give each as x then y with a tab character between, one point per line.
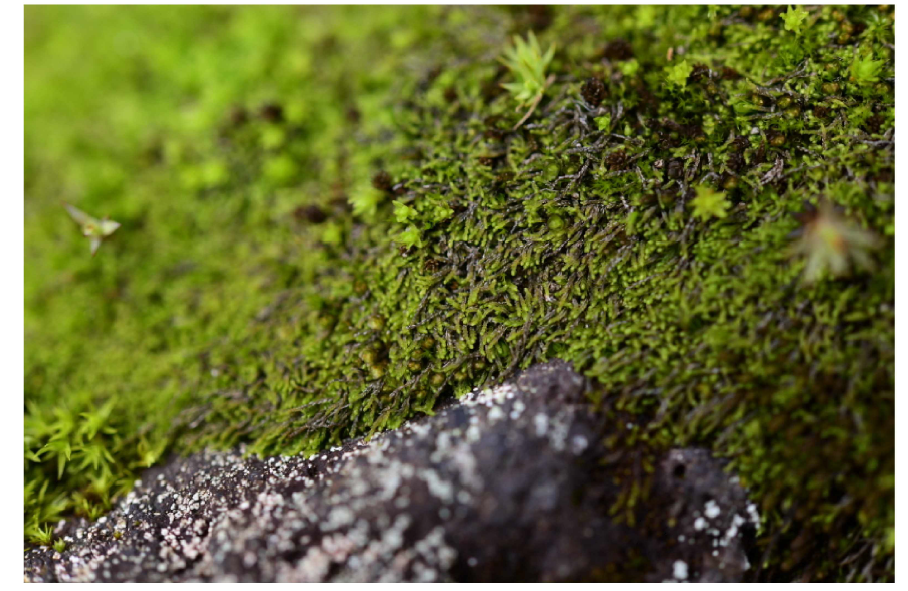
269	285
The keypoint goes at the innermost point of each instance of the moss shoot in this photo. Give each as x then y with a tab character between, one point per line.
331	220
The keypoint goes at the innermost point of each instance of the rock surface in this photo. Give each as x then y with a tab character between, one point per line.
509	484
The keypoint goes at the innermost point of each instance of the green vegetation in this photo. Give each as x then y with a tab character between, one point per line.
528	64
330	222
709	203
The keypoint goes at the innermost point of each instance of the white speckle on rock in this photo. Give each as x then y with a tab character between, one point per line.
578	444
440	488
712	509
679	570
337	518
753	514
541	422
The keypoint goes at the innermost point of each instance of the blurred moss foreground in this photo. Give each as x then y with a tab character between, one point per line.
329	222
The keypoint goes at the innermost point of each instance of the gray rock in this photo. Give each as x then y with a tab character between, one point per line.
509	484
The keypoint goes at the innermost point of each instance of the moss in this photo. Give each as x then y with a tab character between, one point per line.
451	250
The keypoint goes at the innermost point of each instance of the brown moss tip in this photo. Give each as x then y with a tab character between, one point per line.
593	91
272	112
383	181
312	214
618	50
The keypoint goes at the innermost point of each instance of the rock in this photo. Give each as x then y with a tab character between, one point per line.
506	485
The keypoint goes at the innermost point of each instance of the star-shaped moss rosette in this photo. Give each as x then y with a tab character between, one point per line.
794	19
709	203
832	242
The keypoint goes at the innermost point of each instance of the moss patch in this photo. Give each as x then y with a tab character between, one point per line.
330	222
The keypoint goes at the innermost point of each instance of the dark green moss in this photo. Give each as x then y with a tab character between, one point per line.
451	250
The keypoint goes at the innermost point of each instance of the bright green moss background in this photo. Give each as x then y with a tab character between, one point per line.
226	308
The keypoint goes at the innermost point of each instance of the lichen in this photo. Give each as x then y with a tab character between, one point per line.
264	289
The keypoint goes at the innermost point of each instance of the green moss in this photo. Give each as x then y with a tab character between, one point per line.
266	286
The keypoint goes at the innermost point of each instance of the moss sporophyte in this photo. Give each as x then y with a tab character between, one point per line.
313	250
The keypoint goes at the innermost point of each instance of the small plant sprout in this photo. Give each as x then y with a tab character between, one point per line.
60	545
794	19
40	534
92	228
709	203
604	123
410	237
528	64
865	70
677	74
831	242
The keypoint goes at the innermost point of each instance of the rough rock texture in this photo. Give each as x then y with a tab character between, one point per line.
507	485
